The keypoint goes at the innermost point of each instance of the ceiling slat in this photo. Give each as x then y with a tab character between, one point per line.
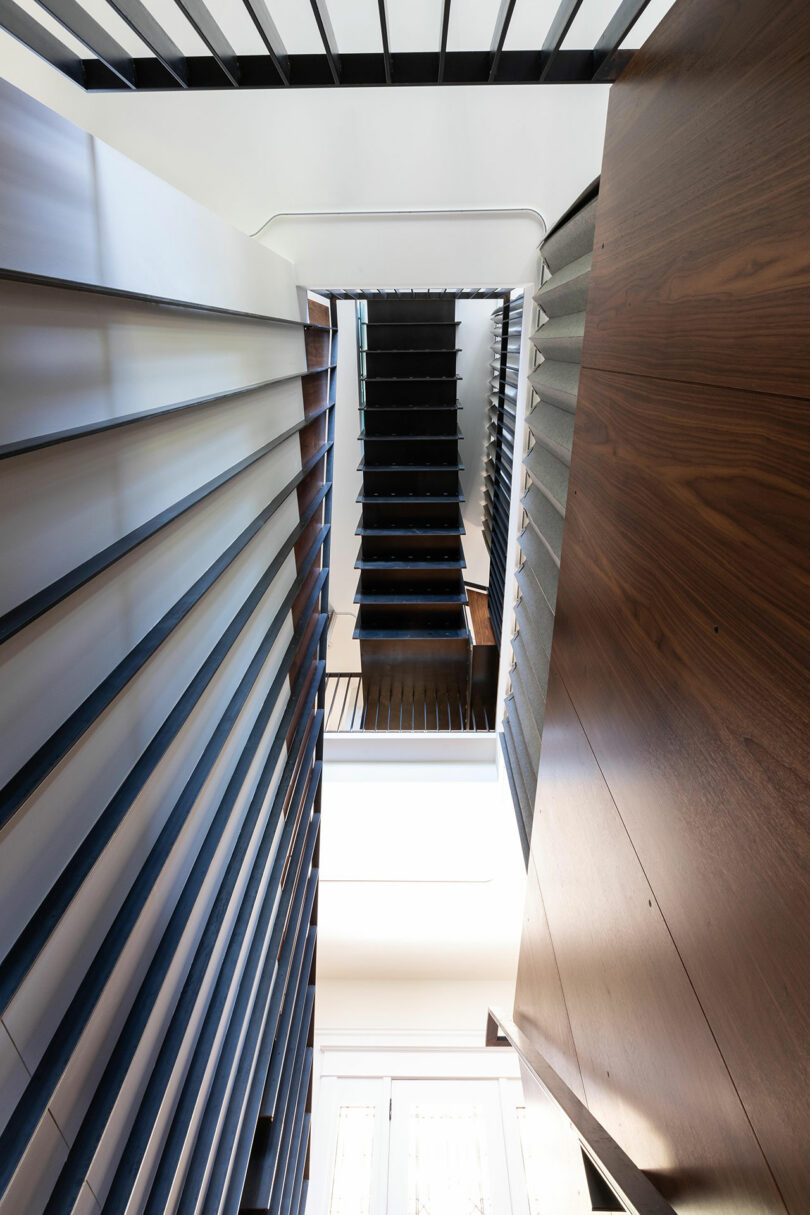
499	35
616	31
270	36
82	26
445	26
560	26
17	22
110	67
205	25
141	22
381	4
324	24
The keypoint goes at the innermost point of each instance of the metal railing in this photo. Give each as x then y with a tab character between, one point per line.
391	706
632	1189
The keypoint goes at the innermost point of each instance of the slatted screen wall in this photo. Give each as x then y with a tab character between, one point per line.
561	299
165	500
499	453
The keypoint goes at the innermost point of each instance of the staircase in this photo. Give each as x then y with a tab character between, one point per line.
410	623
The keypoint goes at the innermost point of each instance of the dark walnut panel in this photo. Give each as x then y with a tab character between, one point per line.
683	638
651	1069
315	390
701	265
539	1000
318	313
317	342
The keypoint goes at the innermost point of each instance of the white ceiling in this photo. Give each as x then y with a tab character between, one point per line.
421	873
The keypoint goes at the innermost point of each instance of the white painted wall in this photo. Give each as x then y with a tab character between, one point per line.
108	222
474	337
421	898
417	1011
453	250
347	480
250	155
343	652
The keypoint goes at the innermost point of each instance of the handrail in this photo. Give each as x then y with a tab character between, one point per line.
633	1189
352	710
409	212
9	274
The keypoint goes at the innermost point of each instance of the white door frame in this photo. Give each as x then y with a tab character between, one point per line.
366	1077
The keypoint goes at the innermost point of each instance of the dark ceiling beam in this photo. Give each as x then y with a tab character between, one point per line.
17	22
270	36
327	34
198	15
615	33
81	25
499	35
384	35
554	38
443	32
408	68
426	293
142	23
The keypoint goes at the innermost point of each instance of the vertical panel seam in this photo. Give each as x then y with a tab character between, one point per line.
560	978
704	384
675	947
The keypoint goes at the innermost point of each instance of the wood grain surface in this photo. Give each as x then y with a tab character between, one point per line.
540	1009
479	610
651	1070
684	640
672	840
701	266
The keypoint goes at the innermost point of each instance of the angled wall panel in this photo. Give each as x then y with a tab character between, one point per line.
499	455
561	298
671	846
165	500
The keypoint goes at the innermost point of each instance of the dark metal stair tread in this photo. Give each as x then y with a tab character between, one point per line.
397	563
363	466
457	529
365	437
364	634
421	498
420	407
431	598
